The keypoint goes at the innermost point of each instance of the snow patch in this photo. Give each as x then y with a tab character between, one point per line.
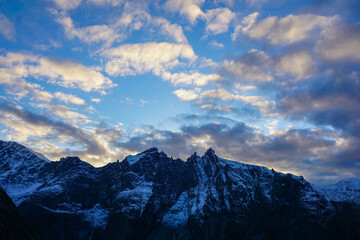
134	158
97	216
178	214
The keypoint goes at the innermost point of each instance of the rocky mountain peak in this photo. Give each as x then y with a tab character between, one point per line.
152	195
151	150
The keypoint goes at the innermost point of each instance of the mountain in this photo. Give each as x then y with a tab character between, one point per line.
347	190
152	196
12	225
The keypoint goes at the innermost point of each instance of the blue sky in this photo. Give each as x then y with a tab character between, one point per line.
273	83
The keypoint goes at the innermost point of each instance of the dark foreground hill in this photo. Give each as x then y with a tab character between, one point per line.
12	225
152	196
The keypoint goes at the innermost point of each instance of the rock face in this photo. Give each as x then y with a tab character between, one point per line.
12	225
152	196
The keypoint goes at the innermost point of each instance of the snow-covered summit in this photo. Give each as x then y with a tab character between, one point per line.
131	159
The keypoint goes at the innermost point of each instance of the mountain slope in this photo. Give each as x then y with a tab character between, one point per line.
12	225
347	190
152	196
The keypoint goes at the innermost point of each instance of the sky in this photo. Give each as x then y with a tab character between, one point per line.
273	83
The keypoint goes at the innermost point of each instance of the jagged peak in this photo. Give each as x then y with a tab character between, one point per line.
151	150
210	152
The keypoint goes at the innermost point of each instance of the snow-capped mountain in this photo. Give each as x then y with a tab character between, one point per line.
152	196
347	190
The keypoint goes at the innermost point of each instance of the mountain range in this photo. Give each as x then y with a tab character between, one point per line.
153	196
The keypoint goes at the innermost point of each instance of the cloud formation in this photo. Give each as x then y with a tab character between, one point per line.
7	28
15	67
287	30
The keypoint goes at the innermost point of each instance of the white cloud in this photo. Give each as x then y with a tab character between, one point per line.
219	94
157	58
7	28
131	19
286	30
134	18
223	95
197	79
68	98
90	34
96	100
218	20
174	31
341	43
188	8
246	24
186	95
68	74
72	4
266	107
63	112
131	59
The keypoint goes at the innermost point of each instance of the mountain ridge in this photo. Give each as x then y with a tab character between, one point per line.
149	196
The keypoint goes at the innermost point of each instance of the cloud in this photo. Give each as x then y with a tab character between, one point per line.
186	95
131	59
298	64
218	20
188	8
61	72
96	100
330	102
68	98
255	65
7	29
64	113
340	43
26	126
287	30
72	4
67	4
197	79
111	2
157	58
89	34
216	44
16	67
258	67
309	152
206	100
173	31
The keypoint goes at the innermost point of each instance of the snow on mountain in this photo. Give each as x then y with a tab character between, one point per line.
19	169
149	190
347	190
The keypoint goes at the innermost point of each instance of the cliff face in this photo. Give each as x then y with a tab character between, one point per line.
152	196
12	225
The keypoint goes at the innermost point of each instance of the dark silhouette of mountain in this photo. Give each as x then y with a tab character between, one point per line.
152	196
12	225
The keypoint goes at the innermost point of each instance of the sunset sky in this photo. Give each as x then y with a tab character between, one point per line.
273	83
